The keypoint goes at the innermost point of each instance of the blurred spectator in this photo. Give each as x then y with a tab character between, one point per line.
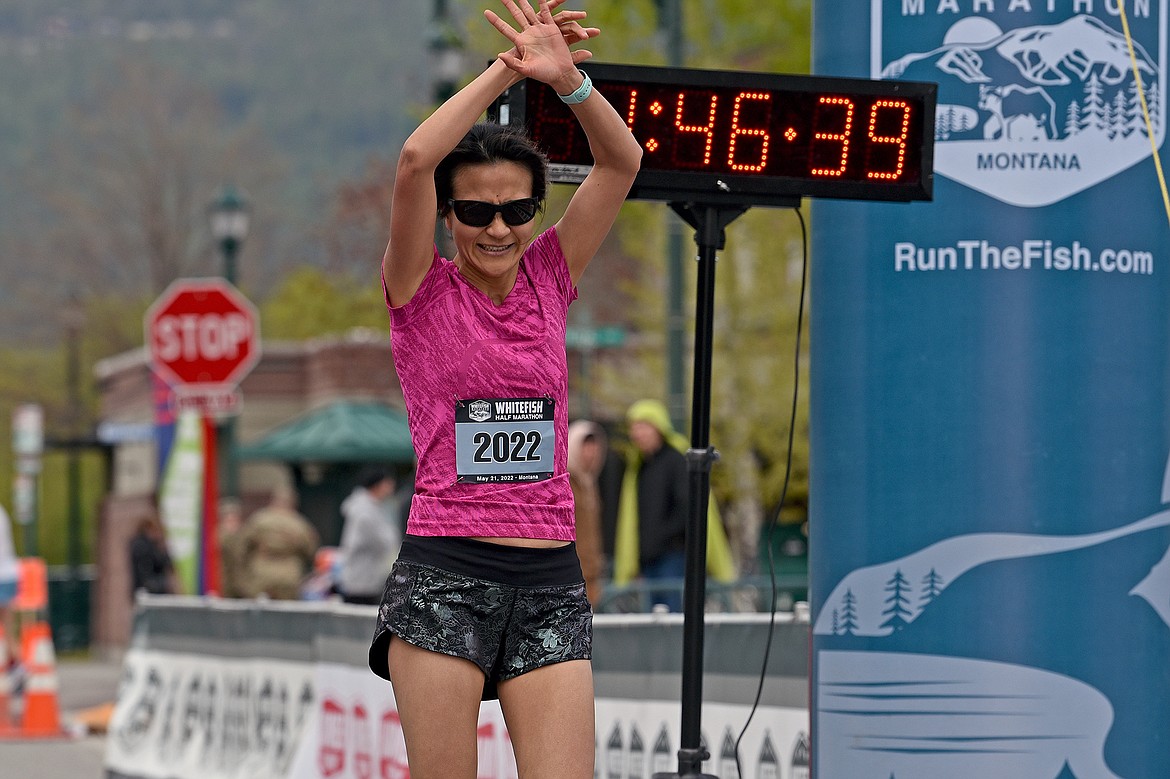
370	538
654	508
321	584
587	447
230	539
9	575
151	569
278	546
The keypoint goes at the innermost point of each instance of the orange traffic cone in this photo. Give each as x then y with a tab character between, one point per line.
6	724
42	716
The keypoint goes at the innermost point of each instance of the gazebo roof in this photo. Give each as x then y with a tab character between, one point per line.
343	431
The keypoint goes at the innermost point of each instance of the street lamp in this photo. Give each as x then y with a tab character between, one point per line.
446	53
229	216
446	57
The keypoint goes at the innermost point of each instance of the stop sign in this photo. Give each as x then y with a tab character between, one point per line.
202	332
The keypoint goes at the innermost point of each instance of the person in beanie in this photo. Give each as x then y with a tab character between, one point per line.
654	507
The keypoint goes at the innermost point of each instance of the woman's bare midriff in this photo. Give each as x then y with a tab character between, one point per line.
532	543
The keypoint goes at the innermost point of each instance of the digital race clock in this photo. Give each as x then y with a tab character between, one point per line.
746	138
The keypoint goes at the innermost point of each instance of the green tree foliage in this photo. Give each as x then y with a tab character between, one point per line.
309	303
718	34
114	323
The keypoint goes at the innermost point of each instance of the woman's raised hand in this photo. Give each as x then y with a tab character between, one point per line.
540	48
569	22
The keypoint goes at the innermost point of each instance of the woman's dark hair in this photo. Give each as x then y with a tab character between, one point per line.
488	143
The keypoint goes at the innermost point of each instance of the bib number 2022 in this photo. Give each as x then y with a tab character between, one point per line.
502	447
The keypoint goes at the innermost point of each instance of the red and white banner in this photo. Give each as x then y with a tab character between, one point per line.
355	733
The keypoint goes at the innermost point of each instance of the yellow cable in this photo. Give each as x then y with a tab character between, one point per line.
1145	108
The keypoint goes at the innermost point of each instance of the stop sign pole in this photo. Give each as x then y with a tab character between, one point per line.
203	336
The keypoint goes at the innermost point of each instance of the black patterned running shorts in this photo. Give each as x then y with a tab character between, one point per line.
507	609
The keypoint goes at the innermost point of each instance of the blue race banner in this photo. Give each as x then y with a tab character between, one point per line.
990	508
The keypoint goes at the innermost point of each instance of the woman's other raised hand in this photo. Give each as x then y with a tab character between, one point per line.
540	47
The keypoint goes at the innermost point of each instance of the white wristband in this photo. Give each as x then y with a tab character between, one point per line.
579	94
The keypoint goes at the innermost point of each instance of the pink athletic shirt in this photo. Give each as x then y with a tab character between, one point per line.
452	345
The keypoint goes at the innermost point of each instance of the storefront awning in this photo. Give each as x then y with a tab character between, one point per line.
345	431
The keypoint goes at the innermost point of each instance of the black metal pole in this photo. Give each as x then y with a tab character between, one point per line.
708	221
670	24
230	248
73	386
226	430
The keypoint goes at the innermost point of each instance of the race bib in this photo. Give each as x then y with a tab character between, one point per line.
504	439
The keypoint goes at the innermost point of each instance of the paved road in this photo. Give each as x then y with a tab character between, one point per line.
84	684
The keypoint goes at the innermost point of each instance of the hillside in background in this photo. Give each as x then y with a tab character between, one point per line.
315	90
327	81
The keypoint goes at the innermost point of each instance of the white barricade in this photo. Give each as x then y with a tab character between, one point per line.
217	689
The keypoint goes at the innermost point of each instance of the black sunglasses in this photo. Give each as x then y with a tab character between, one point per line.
477	213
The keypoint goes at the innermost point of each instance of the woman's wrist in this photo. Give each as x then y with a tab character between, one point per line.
578	94
511	75
569	82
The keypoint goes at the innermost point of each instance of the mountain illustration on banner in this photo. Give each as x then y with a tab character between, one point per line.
1034	114
878	600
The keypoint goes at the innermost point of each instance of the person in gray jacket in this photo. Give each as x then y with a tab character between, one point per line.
370	539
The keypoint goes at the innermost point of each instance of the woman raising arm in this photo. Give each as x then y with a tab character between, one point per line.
540	51
487	598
